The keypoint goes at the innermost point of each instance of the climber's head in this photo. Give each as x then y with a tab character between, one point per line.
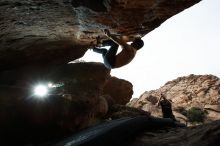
138	43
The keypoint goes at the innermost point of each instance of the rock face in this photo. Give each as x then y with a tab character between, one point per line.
75	104
120	111
205	135
37	40
119	88
202	91
53	32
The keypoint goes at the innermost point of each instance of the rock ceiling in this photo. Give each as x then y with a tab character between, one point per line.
53	32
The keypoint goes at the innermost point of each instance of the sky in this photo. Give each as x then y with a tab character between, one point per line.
187	43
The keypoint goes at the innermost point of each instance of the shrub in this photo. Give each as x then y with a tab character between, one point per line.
196	115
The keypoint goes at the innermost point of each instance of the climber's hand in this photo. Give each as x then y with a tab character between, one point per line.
107	32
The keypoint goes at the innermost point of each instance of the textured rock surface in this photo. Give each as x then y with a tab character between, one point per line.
51	32
205	135
120	111
121	91
202	91
37	40
75	105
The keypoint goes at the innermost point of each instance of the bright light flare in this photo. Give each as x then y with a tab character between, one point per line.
50	85
40	90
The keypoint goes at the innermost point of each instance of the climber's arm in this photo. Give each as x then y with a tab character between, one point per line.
115	39
164	98
158	103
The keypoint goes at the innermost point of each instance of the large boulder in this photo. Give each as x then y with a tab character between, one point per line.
193	91
74	102
121	91
205	135
54	32
37	40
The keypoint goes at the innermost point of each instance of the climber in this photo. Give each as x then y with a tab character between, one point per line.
111	60
166	106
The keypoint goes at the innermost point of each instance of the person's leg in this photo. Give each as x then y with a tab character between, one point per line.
108	43
112	50
100	51
110	56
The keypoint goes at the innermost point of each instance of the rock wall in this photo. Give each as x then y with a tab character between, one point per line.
37	40
202	91
76	104
121	91
53	32
205	135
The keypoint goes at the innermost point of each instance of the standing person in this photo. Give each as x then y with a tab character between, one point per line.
111	60
166	106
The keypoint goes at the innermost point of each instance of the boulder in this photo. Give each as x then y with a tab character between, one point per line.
121	91
205	135
74	101
201	91
55	32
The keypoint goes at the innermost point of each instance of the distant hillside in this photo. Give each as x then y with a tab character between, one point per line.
193	91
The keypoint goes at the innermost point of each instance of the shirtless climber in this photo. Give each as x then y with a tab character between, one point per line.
166	107
111	60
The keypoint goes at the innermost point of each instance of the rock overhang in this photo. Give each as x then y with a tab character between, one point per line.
53	32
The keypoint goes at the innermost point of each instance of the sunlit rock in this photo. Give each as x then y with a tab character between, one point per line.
200	91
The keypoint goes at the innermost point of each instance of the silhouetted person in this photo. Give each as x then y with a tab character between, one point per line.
166	107
111	60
